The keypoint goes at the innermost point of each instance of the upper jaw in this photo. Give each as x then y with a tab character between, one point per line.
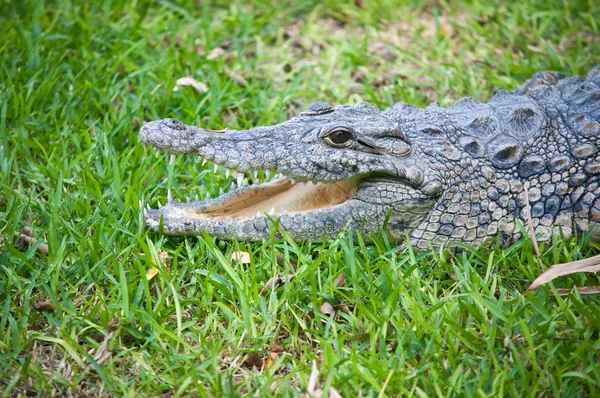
245	210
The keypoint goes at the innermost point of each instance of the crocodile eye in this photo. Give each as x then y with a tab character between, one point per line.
339	137
174	124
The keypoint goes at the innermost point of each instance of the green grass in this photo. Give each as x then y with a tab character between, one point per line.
76	80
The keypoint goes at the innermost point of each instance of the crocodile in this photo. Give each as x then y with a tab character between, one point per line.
439	176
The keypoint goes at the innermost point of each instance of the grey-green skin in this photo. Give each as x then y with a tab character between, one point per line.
440	175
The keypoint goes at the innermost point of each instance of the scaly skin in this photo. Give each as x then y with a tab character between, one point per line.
439	175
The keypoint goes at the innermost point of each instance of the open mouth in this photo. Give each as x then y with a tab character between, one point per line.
273	198
277	197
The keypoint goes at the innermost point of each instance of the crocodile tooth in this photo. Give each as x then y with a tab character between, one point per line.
255	174
233	186
159	204
272	211
240	179
221	192
227	173
148	206
169	196
146	215
293	180
204	161
216	168
188	199
258	214
197	197
245	182
172	159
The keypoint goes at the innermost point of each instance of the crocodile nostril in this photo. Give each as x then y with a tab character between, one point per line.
174	124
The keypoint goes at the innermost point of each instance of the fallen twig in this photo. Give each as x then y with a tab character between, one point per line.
43	306
585	290
278	281
26	240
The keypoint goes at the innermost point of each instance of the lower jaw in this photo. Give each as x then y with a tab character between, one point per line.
172	220
305	210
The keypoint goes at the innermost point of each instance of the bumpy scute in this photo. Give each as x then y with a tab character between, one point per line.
542	137
523	123
318	108
531	165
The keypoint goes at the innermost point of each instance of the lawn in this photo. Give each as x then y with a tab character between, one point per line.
100	306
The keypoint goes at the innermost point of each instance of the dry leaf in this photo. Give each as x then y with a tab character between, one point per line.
585	290
163	257
313	379
278	281
254	359
536	49
102	354
244	257
446	30
339	281
214	53
451	276
313	390
190	81
151	273
326	308
272	358
226	44
43	306
113	325
589	265
333	393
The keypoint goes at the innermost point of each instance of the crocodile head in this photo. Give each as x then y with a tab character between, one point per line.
348	166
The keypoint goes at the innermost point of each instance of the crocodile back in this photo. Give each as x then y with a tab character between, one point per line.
529	152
